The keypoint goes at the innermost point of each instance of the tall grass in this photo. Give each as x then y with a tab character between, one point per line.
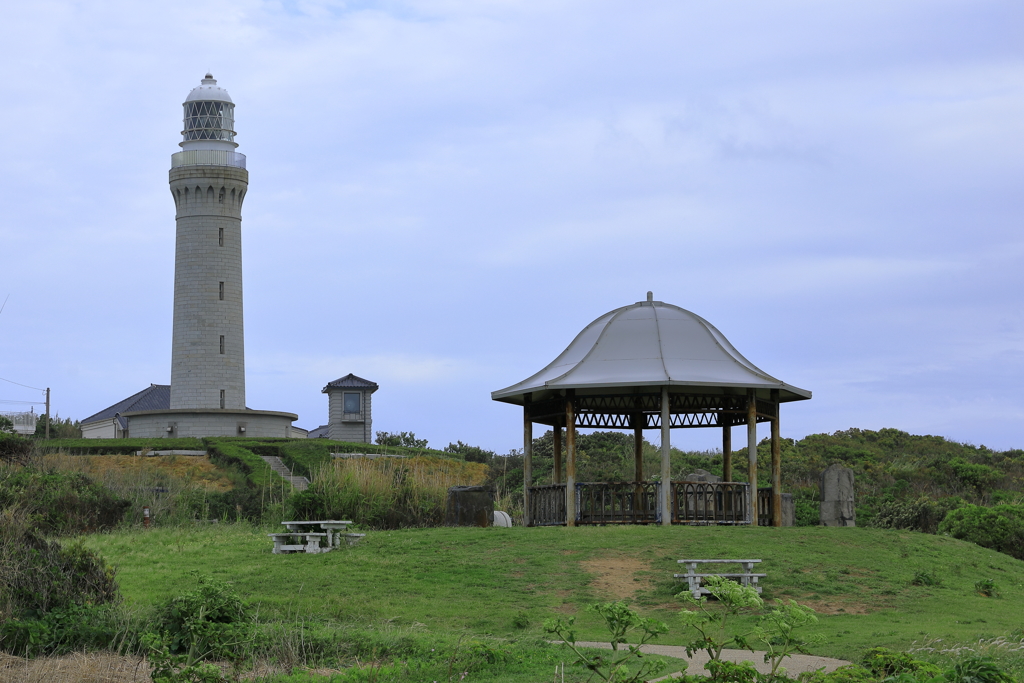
385	492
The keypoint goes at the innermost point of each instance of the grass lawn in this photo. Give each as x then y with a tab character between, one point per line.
482	581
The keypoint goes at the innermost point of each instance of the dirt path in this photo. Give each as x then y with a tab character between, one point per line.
794	664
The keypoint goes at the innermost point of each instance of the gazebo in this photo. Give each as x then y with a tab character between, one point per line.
651	366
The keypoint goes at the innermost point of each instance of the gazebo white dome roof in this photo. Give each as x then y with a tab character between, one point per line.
209	91
649	343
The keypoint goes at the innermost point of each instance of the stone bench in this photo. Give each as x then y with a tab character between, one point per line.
283	543
695	580
352	539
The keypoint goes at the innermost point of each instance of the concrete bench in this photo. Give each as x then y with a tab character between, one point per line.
352	539
695	580
284	543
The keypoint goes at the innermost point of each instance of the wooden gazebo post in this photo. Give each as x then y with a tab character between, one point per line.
665	495
527	461
570	457
776	463
752	453
726	446
556	439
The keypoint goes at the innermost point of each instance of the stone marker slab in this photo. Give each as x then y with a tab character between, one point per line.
837	496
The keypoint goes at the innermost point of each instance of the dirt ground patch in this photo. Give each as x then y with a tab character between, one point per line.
102	667
617	576
74	668
837	606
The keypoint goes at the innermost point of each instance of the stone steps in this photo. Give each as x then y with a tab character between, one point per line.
300	483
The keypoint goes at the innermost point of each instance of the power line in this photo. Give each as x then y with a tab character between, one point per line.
22	385
19	403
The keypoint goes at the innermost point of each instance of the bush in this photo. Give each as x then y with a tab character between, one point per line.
38	576
74	628
999	528
60	502
884	662
210	621
14	449
923	514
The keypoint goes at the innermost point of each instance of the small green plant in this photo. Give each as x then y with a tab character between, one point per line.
986	588
977	669
711	625
181	668
620	621
208	622
521	620
780	630
925	578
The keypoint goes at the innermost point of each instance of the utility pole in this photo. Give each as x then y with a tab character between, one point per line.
47	412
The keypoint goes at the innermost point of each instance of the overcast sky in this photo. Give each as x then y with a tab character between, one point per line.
444	193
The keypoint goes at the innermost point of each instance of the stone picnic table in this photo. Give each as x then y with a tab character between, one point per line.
745	578
307	536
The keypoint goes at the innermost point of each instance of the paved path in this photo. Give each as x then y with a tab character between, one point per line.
794	664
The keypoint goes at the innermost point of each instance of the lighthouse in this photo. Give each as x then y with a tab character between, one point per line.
206	397
208	182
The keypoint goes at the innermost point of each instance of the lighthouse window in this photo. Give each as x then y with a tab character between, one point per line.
220	236
222	343
222	399
222	291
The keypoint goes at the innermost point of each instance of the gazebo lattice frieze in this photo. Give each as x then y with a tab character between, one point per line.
620	411
644	367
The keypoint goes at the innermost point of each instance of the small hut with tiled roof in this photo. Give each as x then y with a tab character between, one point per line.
349	415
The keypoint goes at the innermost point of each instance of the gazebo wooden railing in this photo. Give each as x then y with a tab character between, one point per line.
764	506
547	505
692	502
617	503
700	502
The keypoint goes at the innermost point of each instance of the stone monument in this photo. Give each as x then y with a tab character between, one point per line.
837	496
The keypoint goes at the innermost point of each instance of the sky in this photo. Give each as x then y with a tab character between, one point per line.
443	193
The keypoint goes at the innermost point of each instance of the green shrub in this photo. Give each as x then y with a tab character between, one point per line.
208	622
925	578
14	449
38	576
1000	528
923	514
977	669
986	588
851	673
884	662
60	502
73	628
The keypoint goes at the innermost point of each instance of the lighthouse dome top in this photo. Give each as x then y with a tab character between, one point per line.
208	91
649	344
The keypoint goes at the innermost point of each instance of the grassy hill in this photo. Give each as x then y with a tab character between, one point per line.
493	581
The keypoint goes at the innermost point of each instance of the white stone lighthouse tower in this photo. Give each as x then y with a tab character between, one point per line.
208	182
